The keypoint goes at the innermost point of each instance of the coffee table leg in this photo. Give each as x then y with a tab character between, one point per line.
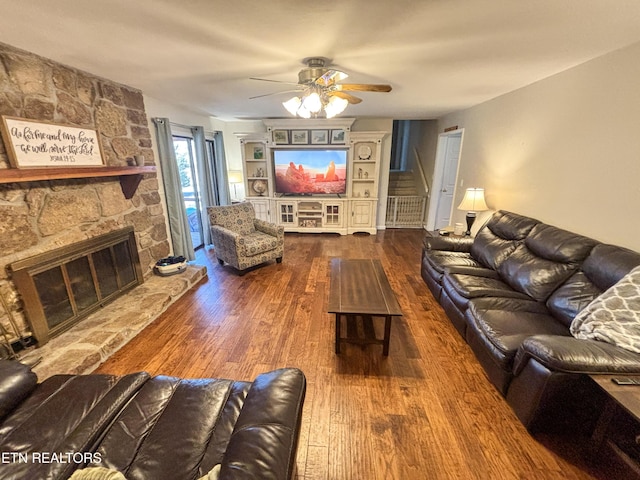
337	333
387	335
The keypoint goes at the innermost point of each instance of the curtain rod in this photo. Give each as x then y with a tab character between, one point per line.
189	127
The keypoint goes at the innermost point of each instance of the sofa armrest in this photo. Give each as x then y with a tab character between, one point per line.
227	243
573	355
269	228
265	437
17	381
435	241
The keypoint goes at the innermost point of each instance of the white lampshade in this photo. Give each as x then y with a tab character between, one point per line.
312	102
235	176
335	106
303	112
473	200
292	105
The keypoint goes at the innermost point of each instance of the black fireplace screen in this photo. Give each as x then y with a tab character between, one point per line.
61	287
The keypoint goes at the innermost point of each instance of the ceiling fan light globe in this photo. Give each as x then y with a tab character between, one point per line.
292	105
303	112
312	103
335	106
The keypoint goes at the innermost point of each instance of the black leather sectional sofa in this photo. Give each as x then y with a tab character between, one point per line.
148	428
512	293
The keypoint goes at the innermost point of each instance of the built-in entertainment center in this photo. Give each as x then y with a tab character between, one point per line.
313	175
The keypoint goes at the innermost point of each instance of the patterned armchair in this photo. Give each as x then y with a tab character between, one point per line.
242	240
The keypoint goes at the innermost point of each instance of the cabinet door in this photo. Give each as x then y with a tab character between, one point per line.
332	214
262	209
361	214
286	213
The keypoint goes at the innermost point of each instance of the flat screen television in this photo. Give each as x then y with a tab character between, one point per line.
310	171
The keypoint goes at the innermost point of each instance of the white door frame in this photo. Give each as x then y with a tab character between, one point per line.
438	171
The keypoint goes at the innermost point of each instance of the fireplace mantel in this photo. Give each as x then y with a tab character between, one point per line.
130	177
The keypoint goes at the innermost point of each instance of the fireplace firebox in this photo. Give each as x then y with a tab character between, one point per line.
61	287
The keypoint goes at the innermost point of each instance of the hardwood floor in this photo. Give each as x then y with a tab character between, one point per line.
425	411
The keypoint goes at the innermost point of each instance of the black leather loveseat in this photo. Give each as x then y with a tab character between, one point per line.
512	292
148	428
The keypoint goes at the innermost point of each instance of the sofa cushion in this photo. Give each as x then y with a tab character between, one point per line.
505	330
17	381
499	237
547	258
176	428
256	243
496	335
65	413
439	260
571	297
605	265
614	316
192	419
462	287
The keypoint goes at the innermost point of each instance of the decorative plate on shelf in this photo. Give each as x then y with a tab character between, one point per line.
364	152
259	186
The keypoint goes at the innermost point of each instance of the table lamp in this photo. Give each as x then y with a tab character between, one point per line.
235	177
473	202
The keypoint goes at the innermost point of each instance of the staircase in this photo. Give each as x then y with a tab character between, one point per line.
402	184
405	206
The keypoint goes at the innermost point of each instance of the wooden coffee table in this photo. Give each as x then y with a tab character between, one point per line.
615	437
359	288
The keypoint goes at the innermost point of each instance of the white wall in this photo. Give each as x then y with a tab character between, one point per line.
159	108
565	150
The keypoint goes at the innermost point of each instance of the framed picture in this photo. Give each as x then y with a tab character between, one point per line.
319	137
258	153
338	137
33	144
299	137
280	137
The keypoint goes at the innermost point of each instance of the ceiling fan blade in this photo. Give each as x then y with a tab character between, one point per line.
272	81
363	87
330	77
352	99
274	93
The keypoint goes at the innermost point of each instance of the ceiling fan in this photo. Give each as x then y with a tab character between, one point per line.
320	90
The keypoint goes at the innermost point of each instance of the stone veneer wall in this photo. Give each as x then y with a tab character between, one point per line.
36	217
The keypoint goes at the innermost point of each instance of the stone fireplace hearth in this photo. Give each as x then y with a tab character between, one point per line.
86	345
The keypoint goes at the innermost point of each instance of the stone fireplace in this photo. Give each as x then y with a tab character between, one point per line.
63	286
41	216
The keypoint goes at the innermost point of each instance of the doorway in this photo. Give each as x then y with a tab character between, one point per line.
445	179
189	181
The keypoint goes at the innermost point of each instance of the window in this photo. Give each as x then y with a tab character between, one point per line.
189	182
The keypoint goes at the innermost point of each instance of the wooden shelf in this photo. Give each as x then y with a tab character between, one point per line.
130	177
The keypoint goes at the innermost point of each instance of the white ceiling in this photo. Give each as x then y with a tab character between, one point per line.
439	55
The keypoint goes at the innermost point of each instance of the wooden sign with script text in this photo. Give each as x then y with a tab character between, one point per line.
32	144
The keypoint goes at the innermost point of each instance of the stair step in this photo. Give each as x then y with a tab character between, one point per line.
402	184
402	193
